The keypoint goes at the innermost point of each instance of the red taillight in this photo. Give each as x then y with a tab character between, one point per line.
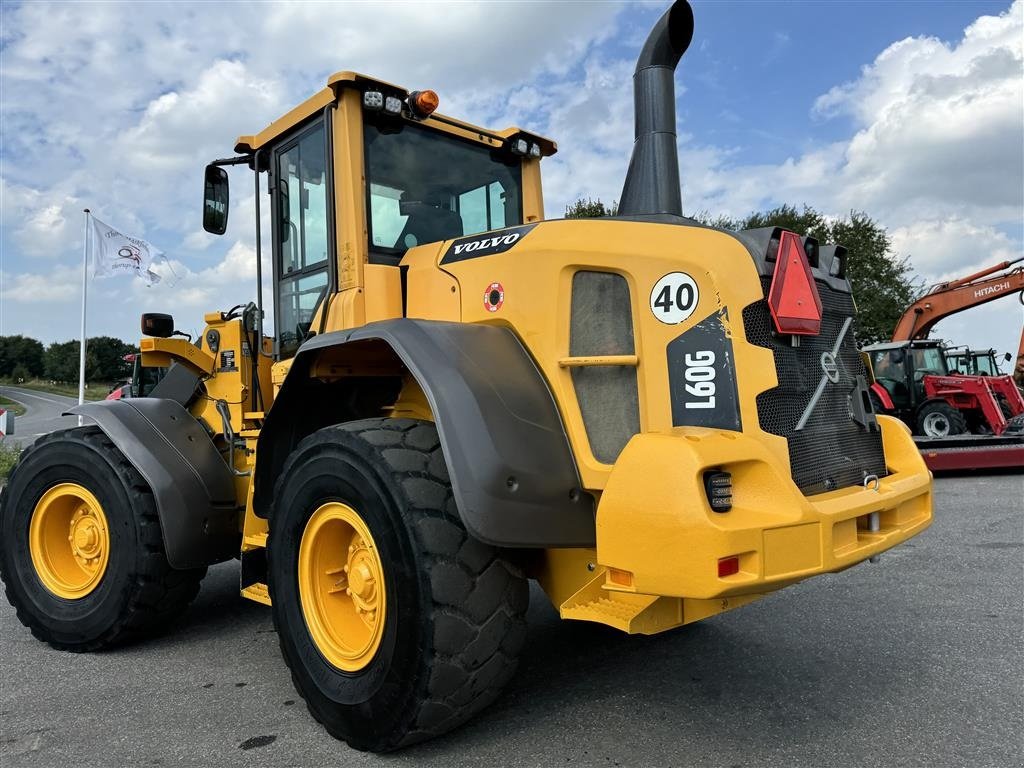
793	297
727	566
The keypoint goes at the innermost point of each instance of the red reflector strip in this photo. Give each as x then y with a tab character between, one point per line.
793	297
727	566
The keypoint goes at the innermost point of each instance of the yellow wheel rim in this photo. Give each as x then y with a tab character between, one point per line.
341	586
69	540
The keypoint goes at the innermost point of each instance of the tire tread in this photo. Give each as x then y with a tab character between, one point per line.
158	592
478	600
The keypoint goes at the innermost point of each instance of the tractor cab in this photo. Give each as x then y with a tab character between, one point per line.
900	368
974	362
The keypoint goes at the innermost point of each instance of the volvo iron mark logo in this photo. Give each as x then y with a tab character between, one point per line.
828	365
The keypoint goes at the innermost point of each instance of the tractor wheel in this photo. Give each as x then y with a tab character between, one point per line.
81	553
396	624
937	418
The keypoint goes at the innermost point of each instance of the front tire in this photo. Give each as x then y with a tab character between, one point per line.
430	629
81	553
937	418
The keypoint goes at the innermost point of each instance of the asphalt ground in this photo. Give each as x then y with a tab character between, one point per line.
42	414
913	661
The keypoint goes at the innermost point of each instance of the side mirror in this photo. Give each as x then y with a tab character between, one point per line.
215	200
157	324
1007	357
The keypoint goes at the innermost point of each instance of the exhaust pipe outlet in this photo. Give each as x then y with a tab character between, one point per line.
652	181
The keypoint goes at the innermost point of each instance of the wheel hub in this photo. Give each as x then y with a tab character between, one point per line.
936	425
341	586
86	535
69	541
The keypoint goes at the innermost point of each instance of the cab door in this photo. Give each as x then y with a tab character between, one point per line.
302	232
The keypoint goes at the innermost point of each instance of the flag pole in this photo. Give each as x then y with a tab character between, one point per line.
85	288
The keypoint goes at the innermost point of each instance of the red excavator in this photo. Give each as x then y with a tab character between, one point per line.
933	401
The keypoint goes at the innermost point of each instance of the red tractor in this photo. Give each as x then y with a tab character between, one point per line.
912	381
142	381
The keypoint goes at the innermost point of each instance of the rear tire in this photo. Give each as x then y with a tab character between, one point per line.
127	589
453	612
937	418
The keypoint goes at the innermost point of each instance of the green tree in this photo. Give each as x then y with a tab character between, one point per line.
21	351
61	361
883	284
104	359
590	209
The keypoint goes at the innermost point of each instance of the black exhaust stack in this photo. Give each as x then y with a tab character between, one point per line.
652	181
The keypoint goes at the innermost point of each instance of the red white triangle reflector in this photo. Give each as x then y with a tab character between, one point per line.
793	297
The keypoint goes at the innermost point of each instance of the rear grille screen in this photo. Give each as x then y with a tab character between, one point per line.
832	450
601	323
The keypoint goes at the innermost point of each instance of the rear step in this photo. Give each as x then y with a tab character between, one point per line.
257	592
628	612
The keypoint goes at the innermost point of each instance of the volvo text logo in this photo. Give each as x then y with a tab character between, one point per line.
828	365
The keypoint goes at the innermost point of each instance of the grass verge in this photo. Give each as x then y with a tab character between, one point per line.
8	456
9	405
93	391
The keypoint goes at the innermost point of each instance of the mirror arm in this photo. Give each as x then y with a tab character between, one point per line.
243	159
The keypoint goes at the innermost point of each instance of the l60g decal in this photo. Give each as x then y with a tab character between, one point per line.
702	376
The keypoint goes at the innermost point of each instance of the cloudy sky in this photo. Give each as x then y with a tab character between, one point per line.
910	111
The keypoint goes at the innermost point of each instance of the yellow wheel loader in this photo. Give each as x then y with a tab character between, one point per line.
656	420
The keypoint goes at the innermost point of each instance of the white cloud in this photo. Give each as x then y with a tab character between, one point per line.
120	111
940	125
40	220
181	130
943	249
57	286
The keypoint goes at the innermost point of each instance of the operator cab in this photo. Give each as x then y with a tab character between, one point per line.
357	175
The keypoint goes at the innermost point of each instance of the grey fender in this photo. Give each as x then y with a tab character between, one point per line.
512	470
190	481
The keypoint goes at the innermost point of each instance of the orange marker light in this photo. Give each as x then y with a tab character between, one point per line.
622	578
423	103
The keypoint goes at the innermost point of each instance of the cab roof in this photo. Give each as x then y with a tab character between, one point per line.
902	344
354	80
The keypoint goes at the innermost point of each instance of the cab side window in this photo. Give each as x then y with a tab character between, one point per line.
301	235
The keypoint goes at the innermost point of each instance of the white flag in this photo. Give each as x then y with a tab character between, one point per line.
115	253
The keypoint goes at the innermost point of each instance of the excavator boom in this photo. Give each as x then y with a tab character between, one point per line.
955	296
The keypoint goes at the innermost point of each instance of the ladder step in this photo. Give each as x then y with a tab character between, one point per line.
257	592
615	610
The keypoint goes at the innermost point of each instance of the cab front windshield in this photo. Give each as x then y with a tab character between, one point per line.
985	365
424	186
928	360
